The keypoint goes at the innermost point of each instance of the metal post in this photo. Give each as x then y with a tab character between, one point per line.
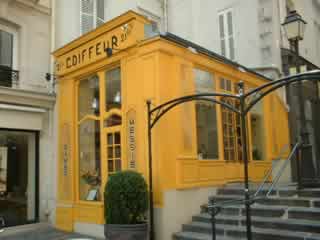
151	210
245	159
298	160
304	135
213	219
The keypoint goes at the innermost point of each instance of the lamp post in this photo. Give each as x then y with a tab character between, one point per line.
294	27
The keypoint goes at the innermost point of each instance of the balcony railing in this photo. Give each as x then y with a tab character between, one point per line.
8	77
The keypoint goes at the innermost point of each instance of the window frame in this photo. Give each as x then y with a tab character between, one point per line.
94	15
15	50
78	121
214	89
227	36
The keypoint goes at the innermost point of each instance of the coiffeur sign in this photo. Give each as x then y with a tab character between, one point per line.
118	38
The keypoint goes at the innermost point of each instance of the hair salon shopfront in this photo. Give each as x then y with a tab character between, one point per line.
103	123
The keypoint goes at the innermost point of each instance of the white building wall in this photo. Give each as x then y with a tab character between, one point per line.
33	38
31	23
310	12
257	25
67	15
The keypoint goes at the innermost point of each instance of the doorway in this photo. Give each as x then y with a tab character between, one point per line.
19	177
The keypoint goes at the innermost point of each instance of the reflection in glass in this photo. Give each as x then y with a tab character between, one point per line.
88	98
113	120
206	118
89	160
113	89
257	132
17	177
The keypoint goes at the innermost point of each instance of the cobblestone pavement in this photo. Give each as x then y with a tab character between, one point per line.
43	232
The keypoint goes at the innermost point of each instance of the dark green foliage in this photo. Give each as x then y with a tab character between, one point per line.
125	198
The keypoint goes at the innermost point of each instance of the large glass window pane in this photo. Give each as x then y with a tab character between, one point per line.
88	98
257	132
113	89
89	160
6	49
206	118
18	163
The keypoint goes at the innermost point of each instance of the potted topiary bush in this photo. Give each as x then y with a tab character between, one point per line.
126	204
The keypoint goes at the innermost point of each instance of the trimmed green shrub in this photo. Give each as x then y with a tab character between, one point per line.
126	198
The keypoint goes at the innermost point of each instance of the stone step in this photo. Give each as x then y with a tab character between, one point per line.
280	191
240	191
304	213
257	233
283	201
264	222
199	236
256	210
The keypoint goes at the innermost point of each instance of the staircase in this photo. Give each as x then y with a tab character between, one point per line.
287	214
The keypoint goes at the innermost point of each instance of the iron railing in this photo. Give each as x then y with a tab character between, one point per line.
8	77
215	208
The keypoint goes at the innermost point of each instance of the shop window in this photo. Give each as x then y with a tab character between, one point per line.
88	97
231	125
89	160
206	118
92	14
227	34
89	139
113	89
257	132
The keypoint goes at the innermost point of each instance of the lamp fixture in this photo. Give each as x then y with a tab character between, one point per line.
294	26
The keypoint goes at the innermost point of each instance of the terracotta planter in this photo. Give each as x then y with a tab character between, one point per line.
126	232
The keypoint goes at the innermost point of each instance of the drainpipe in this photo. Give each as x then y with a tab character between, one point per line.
165	15
53	38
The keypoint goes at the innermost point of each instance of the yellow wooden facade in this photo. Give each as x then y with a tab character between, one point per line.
153	69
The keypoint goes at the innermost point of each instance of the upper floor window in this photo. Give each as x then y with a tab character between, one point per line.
6	49
227	34
92	14
8	56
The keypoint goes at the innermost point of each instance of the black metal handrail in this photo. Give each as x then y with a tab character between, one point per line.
8	77
215	208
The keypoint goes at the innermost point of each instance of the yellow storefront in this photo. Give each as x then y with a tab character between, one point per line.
103	123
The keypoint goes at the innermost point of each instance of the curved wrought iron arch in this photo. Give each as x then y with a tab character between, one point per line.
276	85
166	107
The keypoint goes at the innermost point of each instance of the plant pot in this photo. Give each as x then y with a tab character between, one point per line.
126	232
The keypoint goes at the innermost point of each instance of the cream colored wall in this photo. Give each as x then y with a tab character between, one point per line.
33	39
179	207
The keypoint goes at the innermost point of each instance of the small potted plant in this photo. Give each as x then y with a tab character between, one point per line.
126	204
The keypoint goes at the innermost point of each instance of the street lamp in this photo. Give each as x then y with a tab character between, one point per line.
294	27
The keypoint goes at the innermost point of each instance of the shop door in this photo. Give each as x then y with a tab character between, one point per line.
113	149
18	173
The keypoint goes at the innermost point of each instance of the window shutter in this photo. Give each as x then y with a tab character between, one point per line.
86	15
227	34
222	35
6	49
100	12
230	33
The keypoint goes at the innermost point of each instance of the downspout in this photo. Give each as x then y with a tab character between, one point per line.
165	15
53	38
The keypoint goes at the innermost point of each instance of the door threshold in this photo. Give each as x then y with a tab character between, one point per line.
9	231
